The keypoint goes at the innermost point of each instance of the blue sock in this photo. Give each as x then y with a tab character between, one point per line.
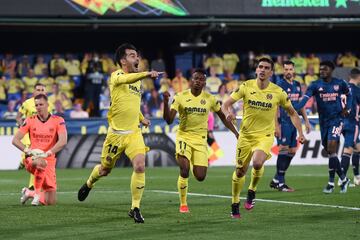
289	157
345	162
336	164
281	167
332	167
355	163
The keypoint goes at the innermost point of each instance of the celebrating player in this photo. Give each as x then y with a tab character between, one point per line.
261	100
124	134
193	106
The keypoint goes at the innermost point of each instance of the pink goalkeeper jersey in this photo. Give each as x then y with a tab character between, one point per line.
43	135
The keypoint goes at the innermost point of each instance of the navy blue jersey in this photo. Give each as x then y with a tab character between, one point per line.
328	98
294	93
350	121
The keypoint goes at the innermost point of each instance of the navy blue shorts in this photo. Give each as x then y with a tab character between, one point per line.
331	131
288	135
351	135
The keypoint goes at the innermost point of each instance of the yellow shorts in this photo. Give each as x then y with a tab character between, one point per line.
246	146
114	144
197	155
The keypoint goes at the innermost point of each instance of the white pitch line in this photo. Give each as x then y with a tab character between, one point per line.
264	200
213	196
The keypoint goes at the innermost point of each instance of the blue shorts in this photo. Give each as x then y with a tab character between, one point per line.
331	131
288	135
351	135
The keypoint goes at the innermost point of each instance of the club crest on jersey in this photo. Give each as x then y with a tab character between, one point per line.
336	87
321	89
269	96
203	102
289	90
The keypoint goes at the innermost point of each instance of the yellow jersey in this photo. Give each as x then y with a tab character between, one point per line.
348	61
48	82
28	108
14	85
125	94
30	83
193	115
2	89
259	107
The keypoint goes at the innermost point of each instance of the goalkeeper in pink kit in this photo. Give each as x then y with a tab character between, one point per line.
48	136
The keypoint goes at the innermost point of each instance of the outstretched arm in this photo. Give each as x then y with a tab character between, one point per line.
128	78
309	93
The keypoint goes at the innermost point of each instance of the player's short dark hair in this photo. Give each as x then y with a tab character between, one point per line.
265	59
354	73
329	64
200	70
41	96
289	63
120	52
39	84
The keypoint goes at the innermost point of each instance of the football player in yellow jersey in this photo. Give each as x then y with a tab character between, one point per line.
28	109
193	106
261	100
124	134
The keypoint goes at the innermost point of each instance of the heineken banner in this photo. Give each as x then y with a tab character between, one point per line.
177	8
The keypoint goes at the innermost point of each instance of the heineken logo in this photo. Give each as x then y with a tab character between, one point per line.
304	3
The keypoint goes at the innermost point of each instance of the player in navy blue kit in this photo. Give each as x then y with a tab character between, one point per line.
351	129
327	92
286	132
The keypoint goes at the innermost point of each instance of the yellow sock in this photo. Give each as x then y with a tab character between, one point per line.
182	185
31	181
94	176
236	186
255	177
137	186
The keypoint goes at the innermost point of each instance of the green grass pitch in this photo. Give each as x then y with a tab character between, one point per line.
103	215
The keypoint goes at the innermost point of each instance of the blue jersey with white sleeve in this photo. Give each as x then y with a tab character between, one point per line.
328	98
350	121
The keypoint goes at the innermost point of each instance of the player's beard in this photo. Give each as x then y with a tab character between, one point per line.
262	77
288	77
